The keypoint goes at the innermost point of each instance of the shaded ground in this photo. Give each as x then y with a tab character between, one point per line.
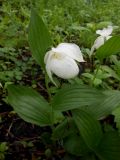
25	141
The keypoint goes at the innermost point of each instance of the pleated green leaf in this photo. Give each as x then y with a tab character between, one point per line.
65	128
116	113
105	107
29	105
76	96
112	46
109	148
89	128
38	37
75	145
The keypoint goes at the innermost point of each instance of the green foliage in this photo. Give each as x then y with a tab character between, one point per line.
30	105
65	128
106	106
89	128
75	145
3	149
39	38
76	96
109	147
103	76
116	113
112	46
116	65
13	64
14	22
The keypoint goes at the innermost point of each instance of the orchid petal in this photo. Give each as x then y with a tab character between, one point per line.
47	56
65	68
105	31
47	60
98	43
48	70
108	37
71	50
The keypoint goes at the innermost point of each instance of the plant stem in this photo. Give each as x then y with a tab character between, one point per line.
47	86
49	99
95	75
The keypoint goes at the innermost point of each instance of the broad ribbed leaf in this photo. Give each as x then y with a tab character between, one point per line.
112	46
29	105
109	148
39	38
116	113
105	107
64	129
75	145
89	128
76	96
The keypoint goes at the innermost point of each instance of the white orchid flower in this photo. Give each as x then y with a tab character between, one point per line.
62	61
105	32
104	36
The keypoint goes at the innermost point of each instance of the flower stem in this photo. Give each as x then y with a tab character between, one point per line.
95	75
47	86
49	99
